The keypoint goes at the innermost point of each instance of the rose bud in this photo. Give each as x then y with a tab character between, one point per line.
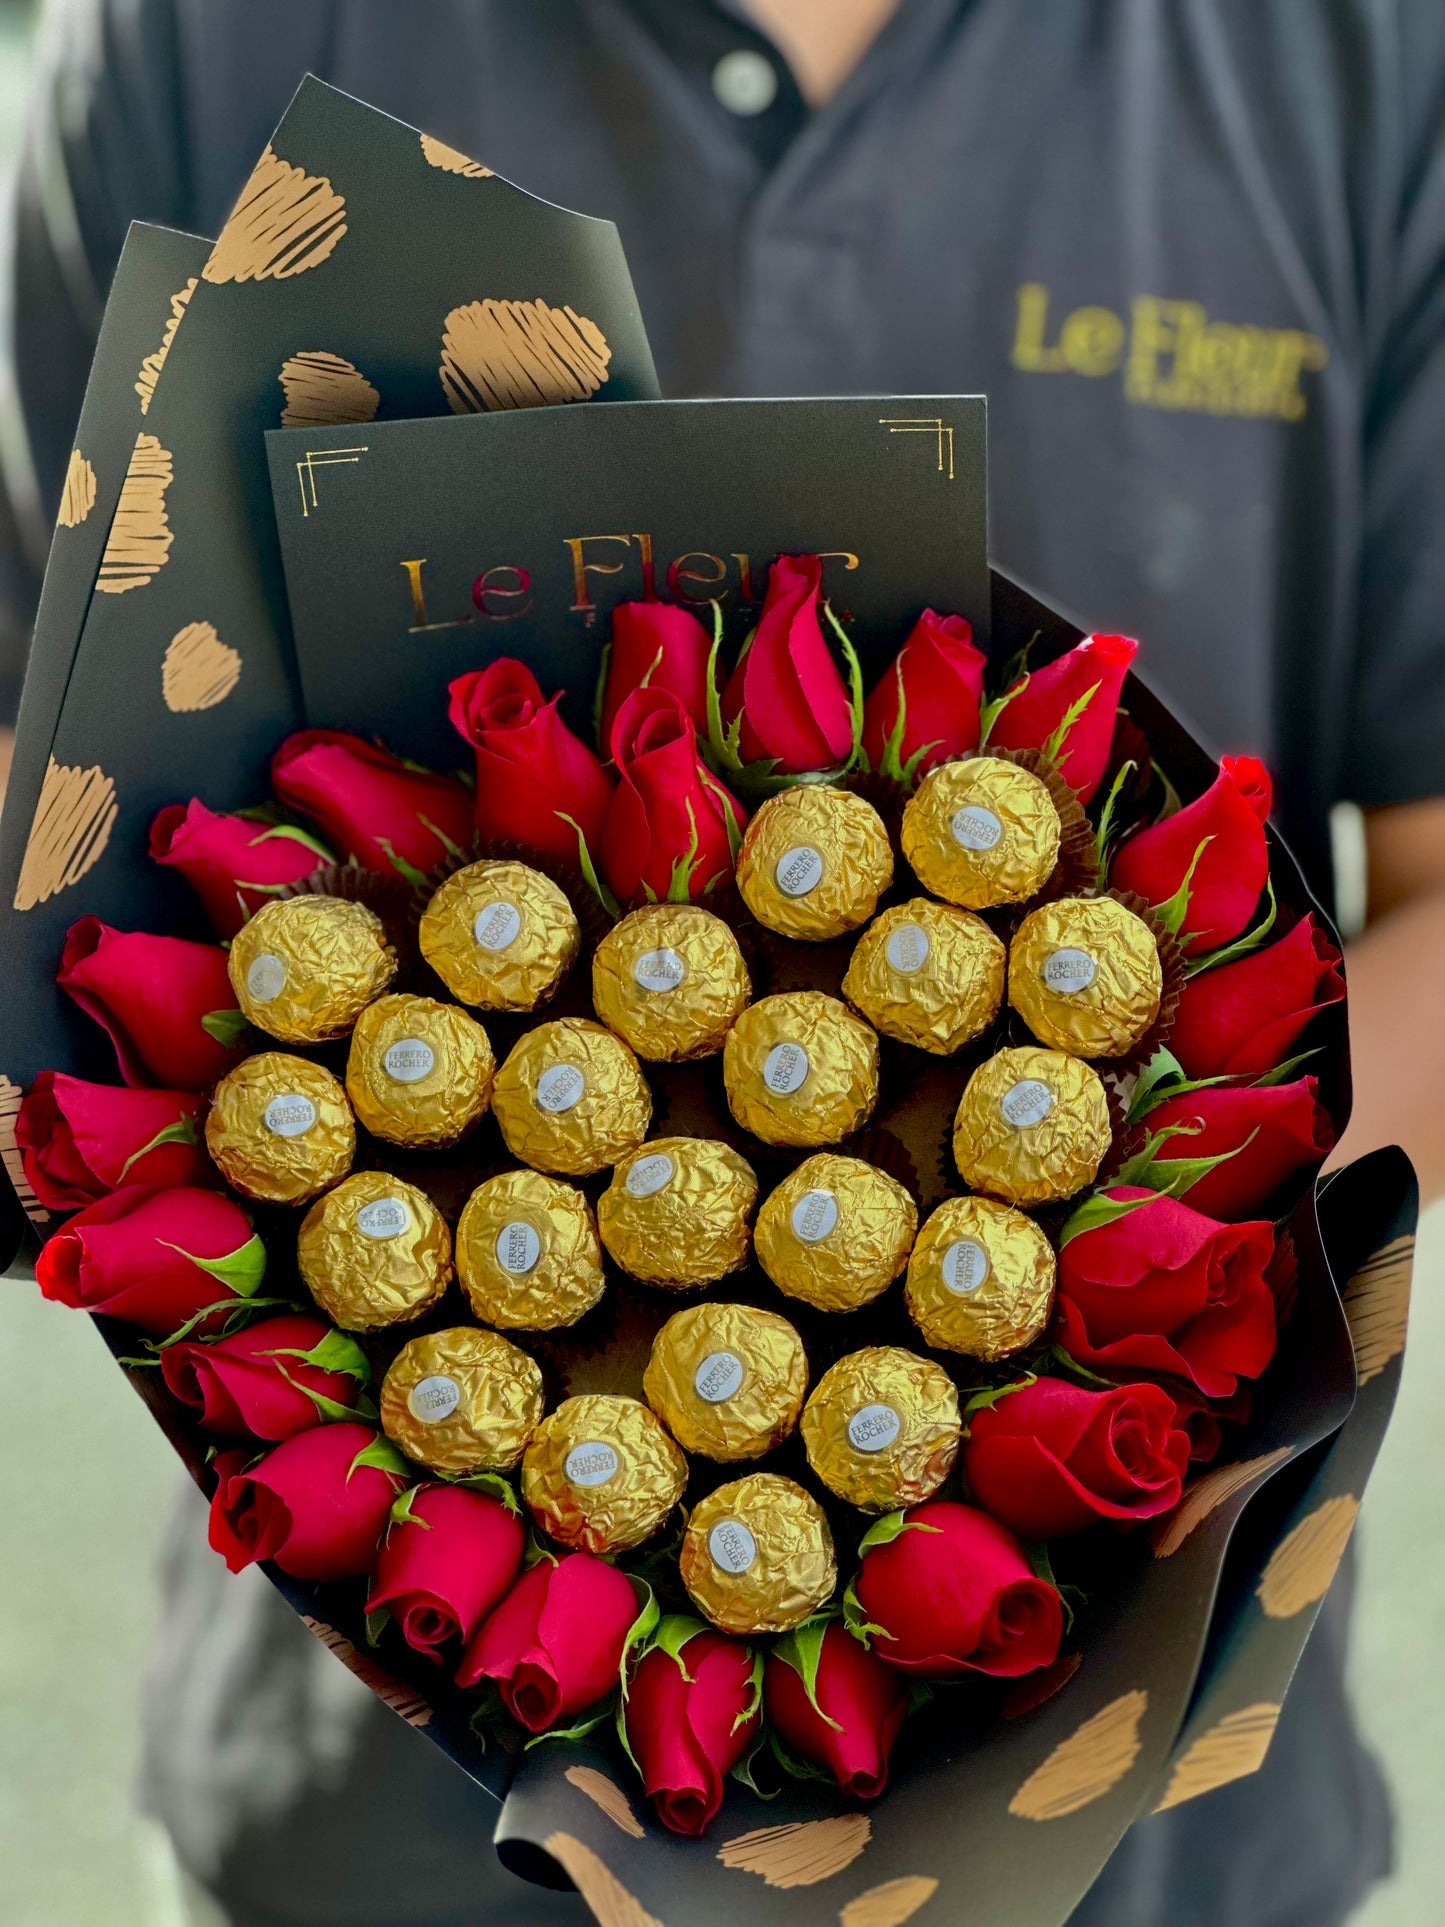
1051	1457
166	1004
265	1381
655	645
1246	1016
376	809
233	863
79	1142
691	1712
554	1645
447	1560
1224	829
1284	1127
786	687
532	772
1076	694
154	1258
668	818
849	1721
1165	1289
951	1592
317	1503
932	688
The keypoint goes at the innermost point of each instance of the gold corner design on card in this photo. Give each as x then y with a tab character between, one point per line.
77	498
520	354
607	1795
1377	1306
323	390
139	543
1233	1747
150	368
451	160
198	670
889	1904
11	1097
799	1853
603	1892
1087	1765
934	425
1207	1494
317	458
402	1701
1302	1566
285	222
68	833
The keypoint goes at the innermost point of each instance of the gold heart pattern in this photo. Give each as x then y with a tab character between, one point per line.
607	1795
604	1893
1235	1746
1087	1765
199	670
890	1904
68	833
520	354
10	1096
322	388
800	1853
1377	1305
1303	1564
285	222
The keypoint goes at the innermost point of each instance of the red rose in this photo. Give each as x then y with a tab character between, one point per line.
1285	1126
259	1383
690	1717
1226	827
1053	1457
669	814
937	680
167	1004
532	772
795	710
80	1141
1165	1289
380	811
154	1258
1091	674
849	1721
231	862
313	1504
1245	1017
656	645
952	1592
445	1564
554	1645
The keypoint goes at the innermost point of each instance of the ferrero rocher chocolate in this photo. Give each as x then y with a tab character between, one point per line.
304	968
280	1128
726	1380
836	1232
419	1072
980	832
1032	1126
814	862
1084	975
527	1252
374	1252
570	1097
882	1428
600	1474
981	1279
461	1401
677	1211
671	980
927	974
757	1556
500	936
800	1069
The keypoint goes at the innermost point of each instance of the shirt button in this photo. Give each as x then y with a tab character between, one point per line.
746	82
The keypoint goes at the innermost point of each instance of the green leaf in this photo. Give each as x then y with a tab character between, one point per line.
240	1270
1241	947
382	1456
407	871
588	1724
492	1484
401	1510
182	1131
228	1027
1104	836
1172	912
1053	747
802	1649
377	1622
292	833
338	1351
990	712
584	862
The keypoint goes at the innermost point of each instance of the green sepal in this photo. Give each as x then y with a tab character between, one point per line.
1071	1364
884	1531
795	1767
182	1131
988	1396
1242	946
269	812
725	804
633	1647
1104	835
377	1622
492	1484
440	834
670	1635
892	766
1172	912
802	1649
407	871
722	743
228	1027
382	1456
535	1551
241	1270
742	1768
599	695
237	1310
1161	1078
1282	1073
577	1732
855	686
1097	1210
1053	747
684	867
338	1351
485	1715
589	869
292	833
990	711
1176	1176
401	1513
137	1362
754	1703
856	1620
920	1694
329	1408
1036	1551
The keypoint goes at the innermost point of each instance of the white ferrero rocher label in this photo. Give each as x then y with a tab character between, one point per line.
1029	1102
266	978
799	870
1068	970
408	1060
433	1399
718	1378
497	926
785	1069
907	948
648	1174
659	970
873	1428
559	1087
975	828
814	1216
965	1266
592	1463
731	1546
518	1247
289	1114
383	1218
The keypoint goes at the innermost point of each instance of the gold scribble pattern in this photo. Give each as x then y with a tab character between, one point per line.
1087	1765
199	670
890	1904
1377	1305
800	1853
322	389
606	1794
520	354
604	1893
451	160
1207	1494
70	829
1303	1564
140	538
1235	1746
285	222
389	1690
150	368
10	1097
78	496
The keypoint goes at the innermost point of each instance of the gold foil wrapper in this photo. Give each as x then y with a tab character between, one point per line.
757	1556
527	1253
677	1211
814	862
461	1401
728	1381
671	980
571	1097
304	968
927	974
501	936
882	1428
600	1474
836	1232
981	1279
419	1072
374	1252
980	832
1032	1126
280	1128
1084	974
800	1069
